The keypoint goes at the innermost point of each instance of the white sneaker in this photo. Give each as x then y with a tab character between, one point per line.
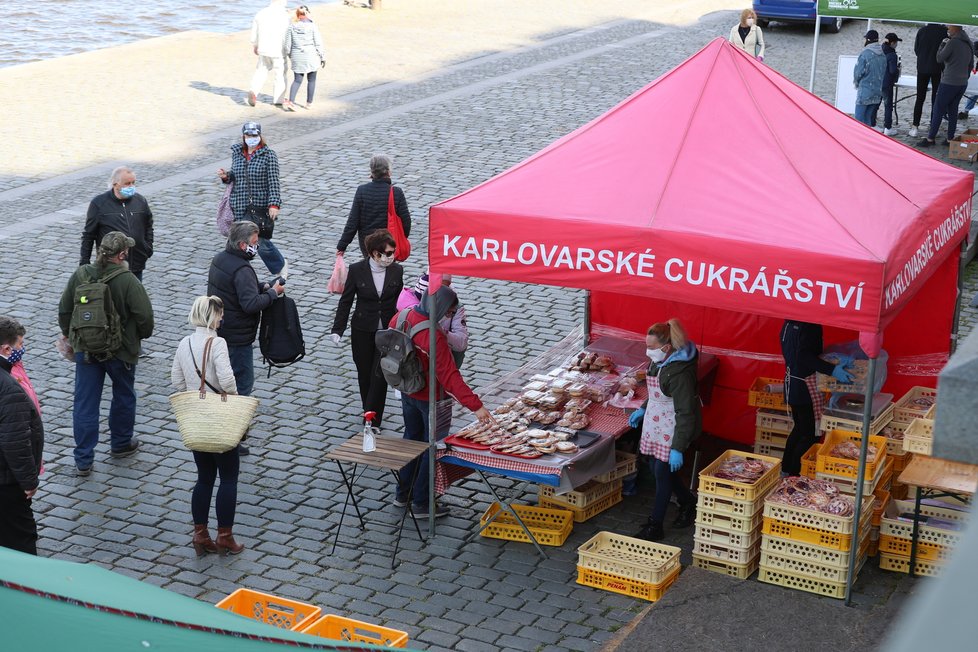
890	132
913	131
879	129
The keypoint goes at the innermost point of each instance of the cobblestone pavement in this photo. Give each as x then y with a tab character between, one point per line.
450	127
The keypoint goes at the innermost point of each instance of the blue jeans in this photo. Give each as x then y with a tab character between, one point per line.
970	104
946	105
243	364
209	466
270	255
415	414
666	484
89	381
866	113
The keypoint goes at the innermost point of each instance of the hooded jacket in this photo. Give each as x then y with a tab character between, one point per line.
892	74
868	74
678	379
304	46
107	213
448	378
21	433
958	55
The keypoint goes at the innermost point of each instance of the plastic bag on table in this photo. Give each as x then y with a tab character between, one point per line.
338	278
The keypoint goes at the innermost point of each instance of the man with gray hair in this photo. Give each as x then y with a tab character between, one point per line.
268	41
123	209
112	350
369	210
233	279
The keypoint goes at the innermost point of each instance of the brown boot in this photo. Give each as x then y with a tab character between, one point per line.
226	545
202	542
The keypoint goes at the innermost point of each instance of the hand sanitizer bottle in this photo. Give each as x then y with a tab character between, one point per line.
369	432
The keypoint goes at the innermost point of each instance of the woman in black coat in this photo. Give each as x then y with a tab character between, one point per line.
370	203
375	284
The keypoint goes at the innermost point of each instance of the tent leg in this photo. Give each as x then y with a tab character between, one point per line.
587	317
432	423
818	30
860	476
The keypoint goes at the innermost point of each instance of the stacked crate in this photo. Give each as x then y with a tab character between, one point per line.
773	428
729	517
585	502
842	471
938	533
880	502
917	426
810	551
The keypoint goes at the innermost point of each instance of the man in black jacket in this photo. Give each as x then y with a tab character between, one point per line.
123	209
369	210
929	70
233	279
21	444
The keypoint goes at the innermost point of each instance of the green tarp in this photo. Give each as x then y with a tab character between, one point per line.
951	12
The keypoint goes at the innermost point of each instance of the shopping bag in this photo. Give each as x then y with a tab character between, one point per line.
338	278
396	227
224	215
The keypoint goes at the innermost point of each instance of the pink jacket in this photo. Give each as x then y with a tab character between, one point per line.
20	374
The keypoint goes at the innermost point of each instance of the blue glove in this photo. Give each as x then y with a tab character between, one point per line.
845	361
635	420
840	374
675	460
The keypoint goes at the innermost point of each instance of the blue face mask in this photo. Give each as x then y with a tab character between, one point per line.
16	355
127	192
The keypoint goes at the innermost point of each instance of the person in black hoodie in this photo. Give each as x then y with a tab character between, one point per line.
929	70
123	209
890	77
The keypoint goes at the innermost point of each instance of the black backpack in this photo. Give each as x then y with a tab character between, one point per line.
280	335
399	360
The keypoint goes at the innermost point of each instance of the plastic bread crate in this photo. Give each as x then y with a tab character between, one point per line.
806	551
589	493
740	571
624	585
803	534
788	564
635	559
858	369
847	484
932	412
625	464
919	437
758	397
739	490
728	505
769	450
805	583
773	437
930	552
732	554
774	420
338	628
584	513
726	538
901	564
808	461
747	523
550	527
900	462
270	609
904	411
882	419
892	525
826	463
879	506
812	519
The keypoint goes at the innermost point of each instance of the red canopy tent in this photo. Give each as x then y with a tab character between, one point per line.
724	194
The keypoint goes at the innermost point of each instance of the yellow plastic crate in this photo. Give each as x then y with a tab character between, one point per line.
739	490
808	461
757	397
805	583
879	506
628	557
847	484
859	369
814	536
589	493
585	513
625	464
882	419
826	463
740	571
270	609
900	462
338	628
901	564
732	523
806	551
719	552
808	568
708	533
929	551
774	421
905	412
812	519
550	527
891	525
730	506
919	437
624	585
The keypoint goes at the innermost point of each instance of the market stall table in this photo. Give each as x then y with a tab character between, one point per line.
391	454
936	478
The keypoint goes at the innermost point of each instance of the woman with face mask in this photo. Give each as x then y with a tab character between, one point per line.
670	421
747	36
254	173
374	284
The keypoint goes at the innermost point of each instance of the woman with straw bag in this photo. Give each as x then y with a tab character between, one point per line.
211	422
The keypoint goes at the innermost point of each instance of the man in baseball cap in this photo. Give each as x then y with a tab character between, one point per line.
106	341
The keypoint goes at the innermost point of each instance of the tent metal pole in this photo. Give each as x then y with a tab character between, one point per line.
432	416
818	30
587	317
860	476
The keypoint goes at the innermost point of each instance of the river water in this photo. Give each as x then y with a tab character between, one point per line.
32	30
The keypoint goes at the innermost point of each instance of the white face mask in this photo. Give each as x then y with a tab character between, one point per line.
384	262
252	141
750	22
251	250
655	355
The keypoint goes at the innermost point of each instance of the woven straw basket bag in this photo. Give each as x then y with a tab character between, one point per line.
210	422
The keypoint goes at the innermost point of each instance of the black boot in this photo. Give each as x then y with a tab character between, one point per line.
686	515
651	532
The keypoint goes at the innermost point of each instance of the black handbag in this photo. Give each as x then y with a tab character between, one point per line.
260	216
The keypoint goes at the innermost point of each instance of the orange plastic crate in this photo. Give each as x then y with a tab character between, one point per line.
270	609
338	628
757	397
624	585
826	463
808	461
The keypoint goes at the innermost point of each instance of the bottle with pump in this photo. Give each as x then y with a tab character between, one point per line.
369	432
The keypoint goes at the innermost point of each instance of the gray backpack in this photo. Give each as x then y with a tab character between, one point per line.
400	362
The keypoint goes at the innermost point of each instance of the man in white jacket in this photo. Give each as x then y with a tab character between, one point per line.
268	40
